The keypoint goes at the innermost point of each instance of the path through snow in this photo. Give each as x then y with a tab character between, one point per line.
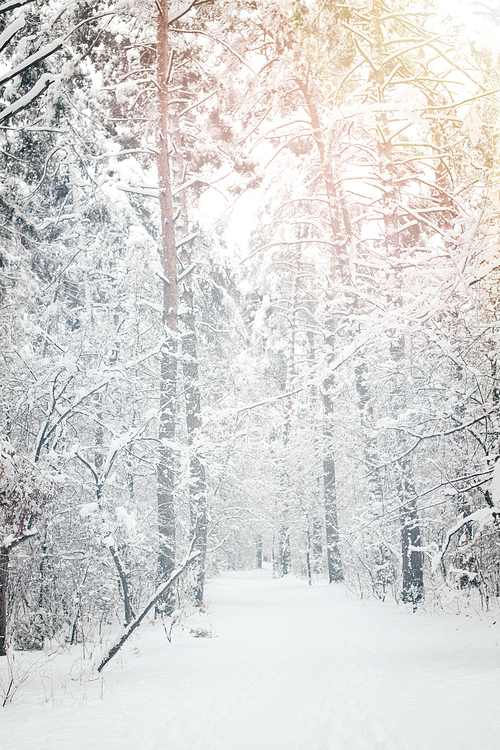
290	667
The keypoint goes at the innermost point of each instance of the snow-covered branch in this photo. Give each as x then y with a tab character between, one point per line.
160	591
11	29
33	59
479	516
24	101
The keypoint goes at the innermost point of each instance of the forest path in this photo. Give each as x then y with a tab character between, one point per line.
290	667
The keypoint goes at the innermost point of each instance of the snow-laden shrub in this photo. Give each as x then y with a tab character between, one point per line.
29	634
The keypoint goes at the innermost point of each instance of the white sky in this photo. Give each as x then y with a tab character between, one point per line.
478	26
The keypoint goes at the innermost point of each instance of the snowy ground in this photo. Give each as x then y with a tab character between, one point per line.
289	667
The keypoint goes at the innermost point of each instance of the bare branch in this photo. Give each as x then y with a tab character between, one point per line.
218	41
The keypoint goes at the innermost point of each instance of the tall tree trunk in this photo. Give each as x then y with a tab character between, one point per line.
412	559
4	577
187	322
341	233
285	553
362	379
318	523
197	485
168	362
413	563
390	200
383	573
4	580
333	555
258	545
123	578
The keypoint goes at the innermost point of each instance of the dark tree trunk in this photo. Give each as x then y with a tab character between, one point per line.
258	544
168	365
341	232
197	486
318	523
187	325
284	548
333	556
413	563
4	576
122	576
362	376
160	593
4	580
412	568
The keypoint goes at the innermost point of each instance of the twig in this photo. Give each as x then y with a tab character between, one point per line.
8	692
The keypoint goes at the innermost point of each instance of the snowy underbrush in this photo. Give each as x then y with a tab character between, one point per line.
468	602
61	673
41	677
58	672
440	598
290	667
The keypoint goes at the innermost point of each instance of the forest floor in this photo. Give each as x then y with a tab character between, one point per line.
288	667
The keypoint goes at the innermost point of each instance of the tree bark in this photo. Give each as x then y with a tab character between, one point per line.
168	362
122	576
333	556
187	321
390	200
4	577
413	563
4	580
341	232
197	486
284	548
258	545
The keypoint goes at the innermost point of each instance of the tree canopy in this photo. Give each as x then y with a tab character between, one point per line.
249	305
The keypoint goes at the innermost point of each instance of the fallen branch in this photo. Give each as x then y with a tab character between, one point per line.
162	588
